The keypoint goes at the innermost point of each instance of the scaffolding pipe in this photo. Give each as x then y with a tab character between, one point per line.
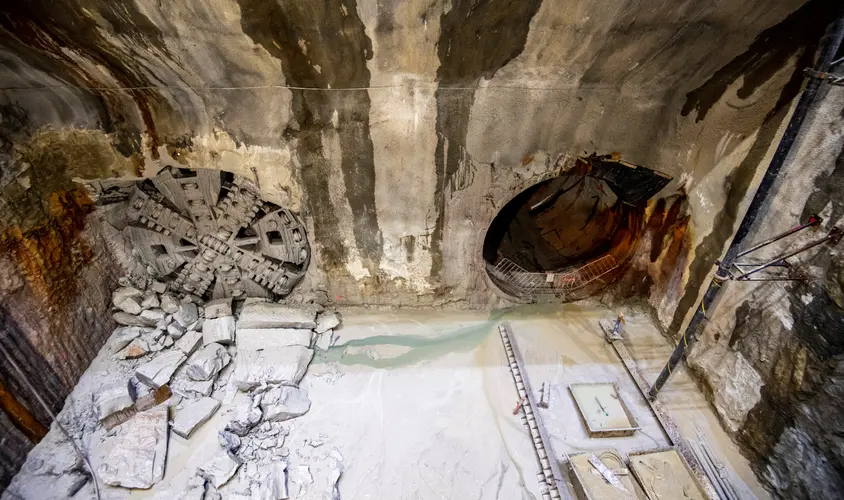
795	124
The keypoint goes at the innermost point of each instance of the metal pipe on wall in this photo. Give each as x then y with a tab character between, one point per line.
804	105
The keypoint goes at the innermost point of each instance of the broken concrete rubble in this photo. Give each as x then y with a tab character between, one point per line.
327	321
324	339
122	335
150	301
137	451
186	314
158	287
273	483
253	339
158	372
185	386
218	308
136	348
285	365
220	469
127	299
245	416
220	330
229	440
112	398
189	342
154	315
283	403
176	330
126	319
130	305
207	362
271	315
193	413
168	303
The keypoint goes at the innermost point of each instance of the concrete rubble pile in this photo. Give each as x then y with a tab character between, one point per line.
247	358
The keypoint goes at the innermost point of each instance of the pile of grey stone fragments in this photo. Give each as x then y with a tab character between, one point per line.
198	350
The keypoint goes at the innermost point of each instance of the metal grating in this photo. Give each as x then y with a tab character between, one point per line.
517	280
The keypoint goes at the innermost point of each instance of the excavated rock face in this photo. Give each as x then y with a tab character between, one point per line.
772	354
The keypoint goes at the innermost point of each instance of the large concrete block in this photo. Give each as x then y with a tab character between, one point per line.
126	319
189	342
283	403
283	365
327	321
112	398
207	362
186	314
158	372
218	308
137	451
220	330
269	315
253	339
193	413
219	469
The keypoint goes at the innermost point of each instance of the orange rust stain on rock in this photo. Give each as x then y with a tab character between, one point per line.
51	256
527	159
21	416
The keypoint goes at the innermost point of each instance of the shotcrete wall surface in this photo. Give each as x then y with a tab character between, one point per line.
397	131
437	111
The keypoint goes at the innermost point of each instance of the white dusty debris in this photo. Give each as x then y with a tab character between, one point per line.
112	398
220	330
190	414
284	365
138	451
253	339
218	308
207	362
158	372
270	315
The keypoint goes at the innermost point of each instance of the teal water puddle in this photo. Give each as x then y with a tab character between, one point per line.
422	348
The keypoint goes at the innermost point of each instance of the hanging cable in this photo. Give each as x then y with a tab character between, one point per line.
55	418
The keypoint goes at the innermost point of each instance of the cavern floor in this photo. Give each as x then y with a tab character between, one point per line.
420	405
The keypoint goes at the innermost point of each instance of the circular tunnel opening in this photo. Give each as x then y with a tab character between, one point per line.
571	235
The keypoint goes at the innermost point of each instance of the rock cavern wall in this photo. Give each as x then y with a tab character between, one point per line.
441	111
396	129
772	356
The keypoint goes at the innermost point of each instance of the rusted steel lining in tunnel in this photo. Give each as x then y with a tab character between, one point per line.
709	300
615	219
